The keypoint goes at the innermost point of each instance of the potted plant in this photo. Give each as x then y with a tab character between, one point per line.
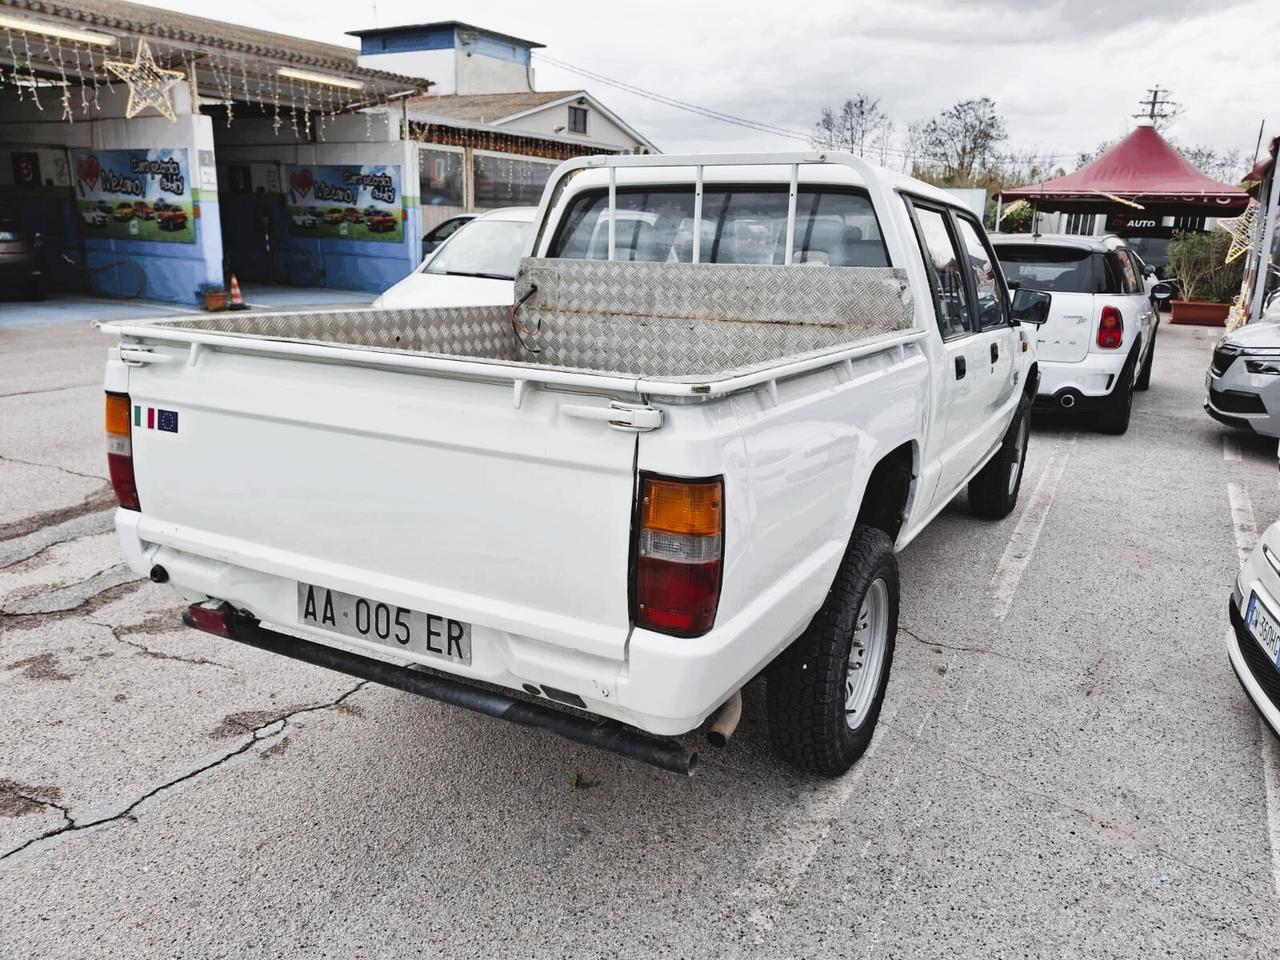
1206	282
213	296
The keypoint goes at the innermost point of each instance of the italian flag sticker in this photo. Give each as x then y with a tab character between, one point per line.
153	418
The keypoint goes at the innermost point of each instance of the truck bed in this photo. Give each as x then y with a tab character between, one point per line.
675	322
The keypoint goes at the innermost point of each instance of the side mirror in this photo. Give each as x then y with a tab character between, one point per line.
1031	306
1149	271
1162	291
1013	285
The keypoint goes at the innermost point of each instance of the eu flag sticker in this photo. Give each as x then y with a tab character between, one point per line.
167	420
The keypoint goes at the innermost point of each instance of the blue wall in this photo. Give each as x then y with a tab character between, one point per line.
410	39
342	264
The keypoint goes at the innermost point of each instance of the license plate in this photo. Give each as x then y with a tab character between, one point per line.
385	623
1262	625
7	235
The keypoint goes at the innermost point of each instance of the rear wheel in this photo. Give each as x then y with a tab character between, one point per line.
993	493
825	690
1144	375
1114	417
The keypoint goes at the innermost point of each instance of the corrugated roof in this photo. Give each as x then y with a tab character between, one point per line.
136	18
487	107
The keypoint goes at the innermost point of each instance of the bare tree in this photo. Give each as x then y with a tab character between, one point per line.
962	140
913	146
881	146
1223	165
853	127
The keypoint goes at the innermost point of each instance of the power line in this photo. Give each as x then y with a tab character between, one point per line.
756	125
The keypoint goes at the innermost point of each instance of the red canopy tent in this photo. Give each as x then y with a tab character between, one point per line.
1142	171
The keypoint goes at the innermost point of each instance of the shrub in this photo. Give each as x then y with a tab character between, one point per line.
1198	260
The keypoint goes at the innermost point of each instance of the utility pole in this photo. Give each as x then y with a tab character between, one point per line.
1157	106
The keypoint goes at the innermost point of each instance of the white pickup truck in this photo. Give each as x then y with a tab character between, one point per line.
683	458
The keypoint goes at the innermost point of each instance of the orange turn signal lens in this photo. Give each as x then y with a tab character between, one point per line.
117	414
675	507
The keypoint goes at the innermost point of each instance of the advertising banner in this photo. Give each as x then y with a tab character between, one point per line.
345	202
135	194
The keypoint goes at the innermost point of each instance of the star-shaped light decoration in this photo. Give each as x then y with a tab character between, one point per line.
148	83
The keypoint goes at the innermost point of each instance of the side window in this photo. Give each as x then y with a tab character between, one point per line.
988	284
1128	273
945	266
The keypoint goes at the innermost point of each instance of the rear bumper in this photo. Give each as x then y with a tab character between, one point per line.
1090	381
663	685
605	735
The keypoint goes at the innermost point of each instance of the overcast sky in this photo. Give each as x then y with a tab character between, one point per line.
1066	74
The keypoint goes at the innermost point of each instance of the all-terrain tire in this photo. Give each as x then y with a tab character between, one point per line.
809	683
1144	375
993	493
1114	416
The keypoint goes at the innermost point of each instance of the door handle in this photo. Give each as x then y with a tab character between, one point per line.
960	368
995	352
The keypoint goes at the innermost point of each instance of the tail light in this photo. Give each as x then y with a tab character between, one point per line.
680	553
120	450
1110	328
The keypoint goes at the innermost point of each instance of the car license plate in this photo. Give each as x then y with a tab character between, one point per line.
385	623
1262	625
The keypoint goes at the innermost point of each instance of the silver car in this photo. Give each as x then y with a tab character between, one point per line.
1243	379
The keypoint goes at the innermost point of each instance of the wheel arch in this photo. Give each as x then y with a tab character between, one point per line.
890	486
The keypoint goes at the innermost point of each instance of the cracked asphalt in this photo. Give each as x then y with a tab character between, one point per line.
1065	766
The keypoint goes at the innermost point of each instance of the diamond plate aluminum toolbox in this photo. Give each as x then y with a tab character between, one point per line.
659	321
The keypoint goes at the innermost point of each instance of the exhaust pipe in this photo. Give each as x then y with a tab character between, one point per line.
726	720
1068	401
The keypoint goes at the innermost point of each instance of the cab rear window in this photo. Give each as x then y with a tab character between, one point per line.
1055	269
836	228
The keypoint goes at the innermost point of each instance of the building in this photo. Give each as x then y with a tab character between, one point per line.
490	139
141	141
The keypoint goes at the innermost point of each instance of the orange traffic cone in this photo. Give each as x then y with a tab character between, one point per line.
237	298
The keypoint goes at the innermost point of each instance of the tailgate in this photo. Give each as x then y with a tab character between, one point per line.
1066	335
408	487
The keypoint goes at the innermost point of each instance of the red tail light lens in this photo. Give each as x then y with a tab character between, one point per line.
120	450
680	554
1110	328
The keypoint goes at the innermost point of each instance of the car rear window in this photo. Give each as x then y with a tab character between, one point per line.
836	228
1055	269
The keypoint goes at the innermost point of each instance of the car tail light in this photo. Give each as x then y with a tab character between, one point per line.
1110	328
120	450
680	553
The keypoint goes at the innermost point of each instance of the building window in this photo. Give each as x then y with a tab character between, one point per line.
509	181
440	178
577	119
1080	224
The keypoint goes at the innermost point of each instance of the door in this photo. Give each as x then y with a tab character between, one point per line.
965	376
996	337
1136	302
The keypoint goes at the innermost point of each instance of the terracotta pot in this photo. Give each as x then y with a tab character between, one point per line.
1200	312
215	300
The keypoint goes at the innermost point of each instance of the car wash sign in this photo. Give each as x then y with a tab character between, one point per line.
135	194
345	202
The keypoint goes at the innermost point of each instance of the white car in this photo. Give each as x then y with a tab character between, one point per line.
667	471
1254	643
305	220
475	267
94	218
1242	384
1099	341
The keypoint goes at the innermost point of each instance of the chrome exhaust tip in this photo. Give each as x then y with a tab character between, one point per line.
1068	401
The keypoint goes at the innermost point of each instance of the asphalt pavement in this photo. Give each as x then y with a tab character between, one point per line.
1066	766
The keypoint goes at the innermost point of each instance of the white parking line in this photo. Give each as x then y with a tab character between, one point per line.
1230	449
1022	542
1242	523
1245	529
